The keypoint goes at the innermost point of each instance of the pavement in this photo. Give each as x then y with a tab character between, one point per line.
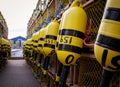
18	74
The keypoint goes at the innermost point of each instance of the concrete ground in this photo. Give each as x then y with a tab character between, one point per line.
17	74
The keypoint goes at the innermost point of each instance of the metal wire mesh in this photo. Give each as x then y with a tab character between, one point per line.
90	71
116	80
95	12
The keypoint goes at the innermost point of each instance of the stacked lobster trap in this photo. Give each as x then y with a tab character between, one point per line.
55	52
5	52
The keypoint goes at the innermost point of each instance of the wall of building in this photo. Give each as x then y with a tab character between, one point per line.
3	27
17	42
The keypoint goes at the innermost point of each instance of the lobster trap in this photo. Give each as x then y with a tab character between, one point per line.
87	72
90	71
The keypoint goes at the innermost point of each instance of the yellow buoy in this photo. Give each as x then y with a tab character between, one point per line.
51	36
72	29
107	45
42	34
35	41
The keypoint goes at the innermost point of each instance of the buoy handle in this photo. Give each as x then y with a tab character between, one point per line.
76	3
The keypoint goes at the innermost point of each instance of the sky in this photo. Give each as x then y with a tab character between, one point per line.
17	14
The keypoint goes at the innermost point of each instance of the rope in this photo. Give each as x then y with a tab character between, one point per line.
87	36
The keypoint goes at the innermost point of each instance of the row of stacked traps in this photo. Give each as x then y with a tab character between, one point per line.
57	41
5	52
41	45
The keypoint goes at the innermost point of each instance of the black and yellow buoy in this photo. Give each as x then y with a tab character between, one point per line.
107	45
50	42
73	27
71	34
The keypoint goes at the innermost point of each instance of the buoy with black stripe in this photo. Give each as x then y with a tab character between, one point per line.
51	36
4	48
29	47
0	47
35	41
35	50
0	44
42	34
8	49
70	40
107	45
72	29
50	42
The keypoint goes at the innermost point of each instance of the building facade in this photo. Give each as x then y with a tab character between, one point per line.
3	27
17	42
